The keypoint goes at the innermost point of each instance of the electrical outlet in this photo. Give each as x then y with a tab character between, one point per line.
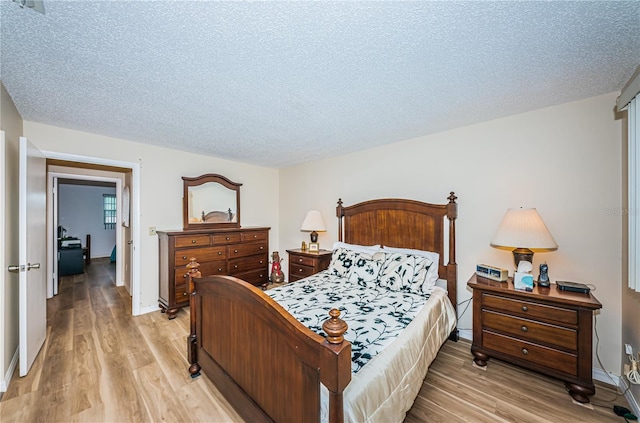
152	230
628	350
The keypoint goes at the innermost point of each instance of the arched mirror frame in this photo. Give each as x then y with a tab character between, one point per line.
200	180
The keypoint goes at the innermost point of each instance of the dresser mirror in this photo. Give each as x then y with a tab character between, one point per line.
210	201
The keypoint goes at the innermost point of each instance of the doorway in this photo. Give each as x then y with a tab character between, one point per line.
89	170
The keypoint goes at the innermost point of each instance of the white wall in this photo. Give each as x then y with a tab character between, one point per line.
563	160
11	123
160	188
81	213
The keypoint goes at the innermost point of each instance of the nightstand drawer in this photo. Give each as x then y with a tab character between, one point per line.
300	271
201	255
191	241
538	354
527	308
303	261
530	330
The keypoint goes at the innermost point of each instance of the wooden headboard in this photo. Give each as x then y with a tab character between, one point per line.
404	224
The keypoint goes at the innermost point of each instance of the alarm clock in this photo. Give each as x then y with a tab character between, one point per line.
491	272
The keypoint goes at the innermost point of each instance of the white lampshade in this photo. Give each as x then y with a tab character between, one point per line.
523	228
313	222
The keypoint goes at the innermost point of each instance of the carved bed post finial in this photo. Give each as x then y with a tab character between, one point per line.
335	327
339	214
192	345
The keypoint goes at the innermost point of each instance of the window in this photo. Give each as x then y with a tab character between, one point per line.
109	210
630	100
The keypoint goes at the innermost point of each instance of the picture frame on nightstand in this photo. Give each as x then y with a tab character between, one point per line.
314	247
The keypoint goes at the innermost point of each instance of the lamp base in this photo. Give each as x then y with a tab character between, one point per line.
314	236
520	254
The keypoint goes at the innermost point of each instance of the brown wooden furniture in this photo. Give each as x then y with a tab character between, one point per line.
303	263
547	330
241	252
210	201
86	251
267	364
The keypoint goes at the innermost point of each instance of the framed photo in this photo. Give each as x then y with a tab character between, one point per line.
314	247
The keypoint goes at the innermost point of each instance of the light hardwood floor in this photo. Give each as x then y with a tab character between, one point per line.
99	364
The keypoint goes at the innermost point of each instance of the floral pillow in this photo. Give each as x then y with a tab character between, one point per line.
404	272
342	260
365	268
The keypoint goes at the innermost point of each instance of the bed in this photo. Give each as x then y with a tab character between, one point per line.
271	367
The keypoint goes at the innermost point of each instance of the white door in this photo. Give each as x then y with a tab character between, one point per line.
32	253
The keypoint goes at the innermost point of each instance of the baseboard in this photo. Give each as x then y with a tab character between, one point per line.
466	334
4	384
149	309
605	377
633	402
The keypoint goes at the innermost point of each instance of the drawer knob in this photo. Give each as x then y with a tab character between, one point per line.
300	260
262	248
524	328
184	257
300	270
185	275
219	253
236	266
228	238
261	276
235	251
525	308
255	236
184	293
261	261
193	241
525	351
219	269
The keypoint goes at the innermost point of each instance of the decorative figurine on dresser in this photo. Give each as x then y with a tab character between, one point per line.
213	236
277	276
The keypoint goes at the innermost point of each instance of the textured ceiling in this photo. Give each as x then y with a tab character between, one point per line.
280	83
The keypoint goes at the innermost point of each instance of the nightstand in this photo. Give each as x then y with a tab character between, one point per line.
546	330
306	263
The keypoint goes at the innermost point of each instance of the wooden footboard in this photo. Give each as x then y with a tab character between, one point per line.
267	364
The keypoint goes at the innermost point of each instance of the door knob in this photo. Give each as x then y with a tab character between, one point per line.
15	268
33	266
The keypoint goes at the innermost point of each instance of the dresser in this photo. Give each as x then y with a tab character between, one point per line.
240	252
546	330
303	263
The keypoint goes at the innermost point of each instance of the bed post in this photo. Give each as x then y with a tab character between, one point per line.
340	214
452	266
335	371
192	344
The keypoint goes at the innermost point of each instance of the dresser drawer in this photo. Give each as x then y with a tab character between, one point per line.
254	236
529	352
181	293
254	277
534	310
226	238
191	241
206	269
201	255
247	263
530	330
243	250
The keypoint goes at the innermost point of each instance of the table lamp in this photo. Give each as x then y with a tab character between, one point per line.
523	231
313	222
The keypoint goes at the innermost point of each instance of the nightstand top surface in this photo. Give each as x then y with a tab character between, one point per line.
551	294
309	253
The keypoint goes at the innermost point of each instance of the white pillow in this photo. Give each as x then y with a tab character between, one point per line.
432	273
365	268
405	271
368	249
342	261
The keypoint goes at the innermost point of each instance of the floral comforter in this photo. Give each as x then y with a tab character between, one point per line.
375	315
